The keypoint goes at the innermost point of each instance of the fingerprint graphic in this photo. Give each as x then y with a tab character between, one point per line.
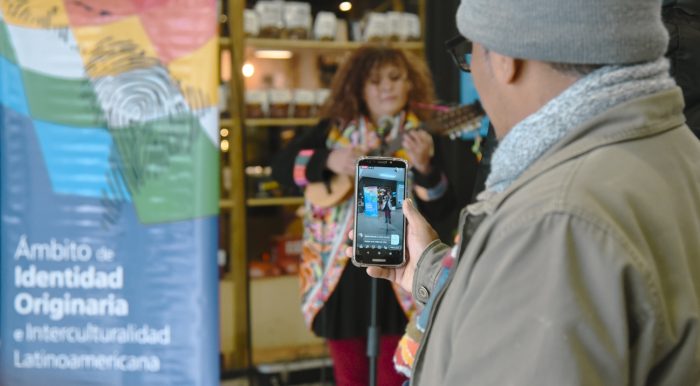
152	126
28	12
109	56
138	96
131	87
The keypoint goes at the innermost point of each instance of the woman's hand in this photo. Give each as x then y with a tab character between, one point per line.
418	236
420	148
342	160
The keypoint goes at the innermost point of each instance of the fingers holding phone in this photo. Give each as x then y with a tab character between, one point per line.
380	228
419	235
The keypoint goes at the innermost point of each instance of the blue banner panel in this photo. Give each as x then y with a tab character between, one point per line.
370	194
108	194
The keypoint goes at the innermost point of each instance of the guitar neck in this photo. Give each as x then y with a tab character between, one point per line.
455	121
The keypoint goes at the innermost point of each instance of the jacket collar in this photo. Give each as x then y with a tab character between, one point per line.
638	118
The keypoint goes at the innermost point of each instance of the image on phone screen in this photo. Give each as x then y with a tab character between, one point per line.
379	226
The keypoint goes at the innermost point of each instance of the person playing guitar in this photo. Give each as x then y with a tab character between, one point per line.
368	112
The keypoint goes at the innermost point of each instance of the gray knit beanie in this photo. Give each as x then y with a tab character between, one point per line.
567	31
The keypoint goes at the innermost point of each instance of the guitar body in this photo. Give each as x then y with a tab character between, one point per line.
328	195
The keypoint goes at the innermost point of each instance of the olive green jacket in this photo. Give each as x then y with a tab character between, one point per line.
585	271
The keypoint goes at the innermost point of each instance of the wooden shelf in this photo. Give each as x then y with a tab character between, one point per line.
272	122
225	204
275	201
225	122
281	122
317	45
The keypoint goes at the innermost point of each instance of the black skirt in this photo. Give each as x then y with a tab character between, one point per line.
346	314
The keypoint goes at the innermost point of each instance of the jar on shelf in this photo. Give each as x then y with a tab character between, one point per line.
376	27
304	101
325	26
224	92
322	95
270	17
280	102
251	23
394	25
259	182
255	103
297	20
412	26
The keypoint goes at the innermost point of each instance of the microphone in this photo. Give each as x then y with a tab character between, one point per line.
385	124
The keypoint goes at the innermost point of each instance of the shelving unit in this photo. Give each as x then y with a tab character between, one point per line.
319	46
235	284
272	122
280	122
226	204
275	201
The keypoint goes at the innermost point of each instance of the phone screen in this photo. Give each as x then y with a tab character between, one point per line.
379	222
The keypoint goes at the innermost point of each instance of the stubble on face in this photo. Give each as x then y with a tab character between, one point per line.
488	88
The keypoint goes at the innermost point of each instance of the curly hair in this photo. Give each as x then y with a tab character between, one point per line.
346	100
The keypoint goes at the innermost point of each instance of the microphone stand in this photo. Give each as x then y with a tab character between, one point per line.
373	335
373	330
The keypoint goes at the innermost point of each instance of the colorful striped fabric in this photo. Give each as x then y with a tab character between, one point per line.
405	354
300	163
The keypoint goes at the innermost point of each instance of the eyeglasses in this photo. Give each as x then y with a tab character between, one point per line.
460	49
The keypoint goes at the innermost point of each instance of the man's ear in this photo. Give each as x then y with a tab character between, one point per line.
505	68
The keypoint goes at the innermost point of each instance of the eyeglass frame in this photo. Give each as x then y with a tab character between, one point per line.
459	47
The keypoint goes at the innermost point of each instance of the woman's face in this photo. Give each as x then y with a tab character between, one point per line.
386	91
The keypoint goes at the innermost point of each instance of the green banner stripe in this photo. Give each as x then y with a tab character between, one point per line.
70	102
171	169
6	49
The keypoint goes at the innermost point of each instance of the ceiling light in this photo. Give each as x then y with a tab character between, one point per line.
273	54
248	70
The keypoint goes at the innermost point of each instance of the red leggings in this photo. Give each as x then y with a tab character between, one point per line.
351	365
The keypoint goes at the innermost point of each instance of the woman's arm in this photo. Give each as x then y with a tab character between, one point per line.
433	193
303	160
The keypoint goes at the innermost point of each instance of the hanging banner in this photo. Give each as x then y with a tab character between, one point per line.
371	201
108	192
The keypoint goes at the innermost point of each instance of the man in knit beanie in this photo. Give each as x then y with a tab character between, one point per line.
580	262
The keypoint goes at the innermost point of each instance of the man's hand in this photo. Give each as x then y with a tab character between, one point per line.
418	236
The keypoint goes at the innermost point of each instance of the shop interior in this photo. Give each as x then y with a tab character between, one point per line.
170	215
275	74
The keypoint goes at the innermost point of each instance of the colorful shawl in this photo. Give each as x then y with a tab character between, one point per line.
326	229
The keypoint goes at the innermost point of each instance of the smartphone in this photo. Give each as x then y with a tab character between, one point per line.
380	226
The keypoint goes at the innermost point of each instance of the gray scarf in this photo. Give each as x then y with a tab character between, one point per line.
586	98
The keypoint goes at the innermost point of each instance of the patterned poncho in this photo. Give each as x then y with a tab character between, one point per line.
326	229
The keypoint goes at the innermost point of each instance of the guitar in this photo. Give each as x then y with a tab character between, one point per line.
452	122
